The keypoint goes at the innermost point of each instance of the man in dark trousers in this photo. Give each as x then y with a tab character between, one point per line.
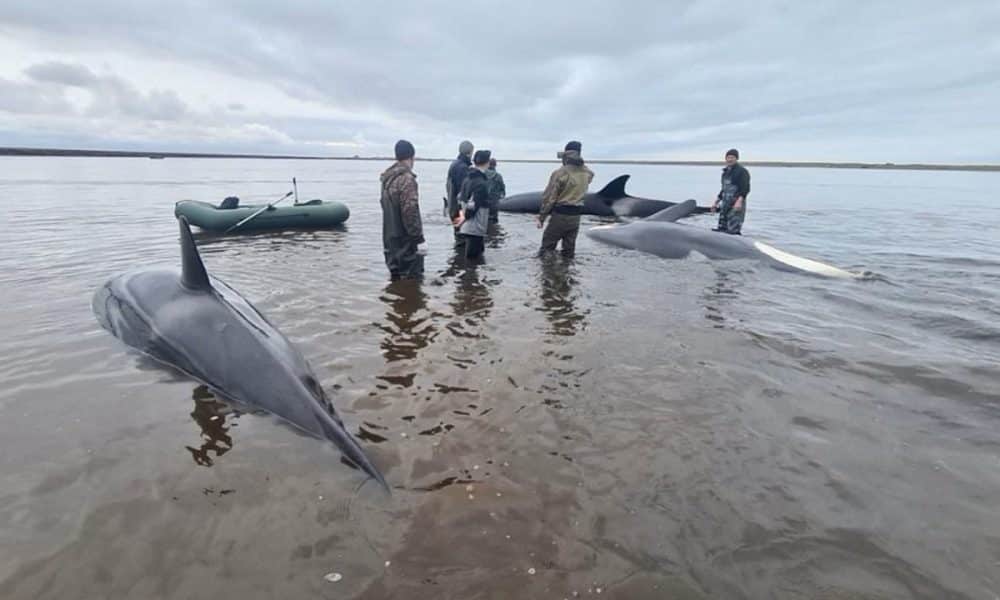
732	199
402	229
475	202
498	190
457	172
563	199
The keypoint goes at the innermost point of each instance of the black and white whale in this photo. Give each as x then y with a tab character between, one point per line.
660	235
200	326
610	201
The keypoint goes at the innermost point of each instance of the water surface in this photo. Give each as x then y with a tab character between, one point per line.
649	428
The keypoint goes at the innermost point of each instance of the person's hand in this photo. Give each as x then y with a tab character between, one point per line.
422	248
738	204
541	221
457	221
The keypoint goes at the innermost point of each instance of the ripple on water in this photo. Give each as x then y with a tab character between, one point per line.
689	429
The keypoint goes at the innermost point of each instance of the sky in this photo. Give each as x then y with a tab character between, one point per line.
874	81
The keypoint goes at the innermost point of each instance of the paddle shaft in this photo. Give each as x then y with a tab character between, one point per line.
271	205
295	188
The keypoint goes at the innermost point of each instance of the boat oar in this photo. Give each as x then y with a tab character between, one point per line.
295	188
271	205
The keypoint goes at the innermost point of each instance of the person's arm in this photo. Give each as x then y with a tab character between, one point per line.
552	191
455	179
718	200
481	195
501	186
742	189
409	208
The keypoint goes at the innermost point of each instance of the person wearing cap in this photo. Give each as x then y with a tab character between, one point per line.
457	172
732	199
498	190
563	201
402	230
475	206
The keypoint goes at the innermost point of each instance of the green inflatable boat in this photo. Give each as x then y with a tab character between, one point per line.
306	215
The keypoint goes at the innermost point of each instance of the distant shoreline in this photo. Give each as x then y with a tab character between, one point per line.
5	151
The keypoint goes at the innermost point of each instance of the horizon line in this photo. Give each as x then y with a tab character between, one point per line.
74	152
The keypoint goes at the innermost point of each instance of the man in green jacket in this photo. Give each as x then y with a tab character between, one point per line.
563	200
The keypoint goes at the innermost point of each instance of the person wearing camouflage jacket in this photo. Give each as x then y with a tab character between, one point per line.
563	200
402	229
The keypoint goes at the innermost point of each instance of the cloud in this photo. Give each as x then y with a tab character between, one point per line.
851	80
62	74
47	84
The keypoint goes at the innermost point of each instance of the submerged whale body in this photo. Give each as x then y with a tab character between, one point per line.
661	235
610	201
200	326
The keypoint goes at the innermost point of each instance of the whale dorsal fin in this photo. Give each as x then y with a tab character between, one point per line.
671	214
193	274
615	189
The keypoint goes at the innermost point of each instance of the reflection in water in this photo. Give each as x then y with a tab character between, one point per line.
472	295
496	236
210	415
407	326
718	296
557	283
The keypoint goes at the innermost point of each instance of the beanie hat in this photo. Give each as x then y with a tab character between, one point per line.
465	147
733	152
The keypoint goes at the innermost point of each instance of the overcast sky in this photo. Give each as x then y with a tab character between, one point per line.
831	80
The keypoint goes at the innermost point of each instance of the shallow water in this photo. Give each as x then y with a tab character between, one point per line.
643	427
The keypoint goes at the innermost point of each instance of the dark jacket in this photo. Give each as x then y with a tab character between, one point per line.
475	199
457	172
498	189
400	206
475	192
740	177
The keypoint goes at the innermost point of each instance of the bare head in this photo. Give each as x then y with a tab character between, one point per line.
481	160
405	152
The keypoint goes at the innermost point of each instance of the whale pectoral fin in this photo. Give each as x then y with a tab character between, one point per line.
673	213
193	273
615	189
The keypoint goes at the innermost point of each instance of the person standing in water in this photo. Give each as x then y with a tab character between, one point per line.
563	199
732	199
457	172
498	190
402	230
475	202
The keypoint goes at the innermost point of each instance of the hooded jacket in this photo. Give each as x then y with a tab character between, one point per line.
567	184
400	205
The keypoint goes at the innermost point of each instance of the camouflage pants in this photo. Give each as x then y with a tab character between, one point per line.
561	228
730	219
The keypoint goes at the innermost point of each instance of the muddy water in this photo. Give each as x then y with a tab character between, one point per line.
619	425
